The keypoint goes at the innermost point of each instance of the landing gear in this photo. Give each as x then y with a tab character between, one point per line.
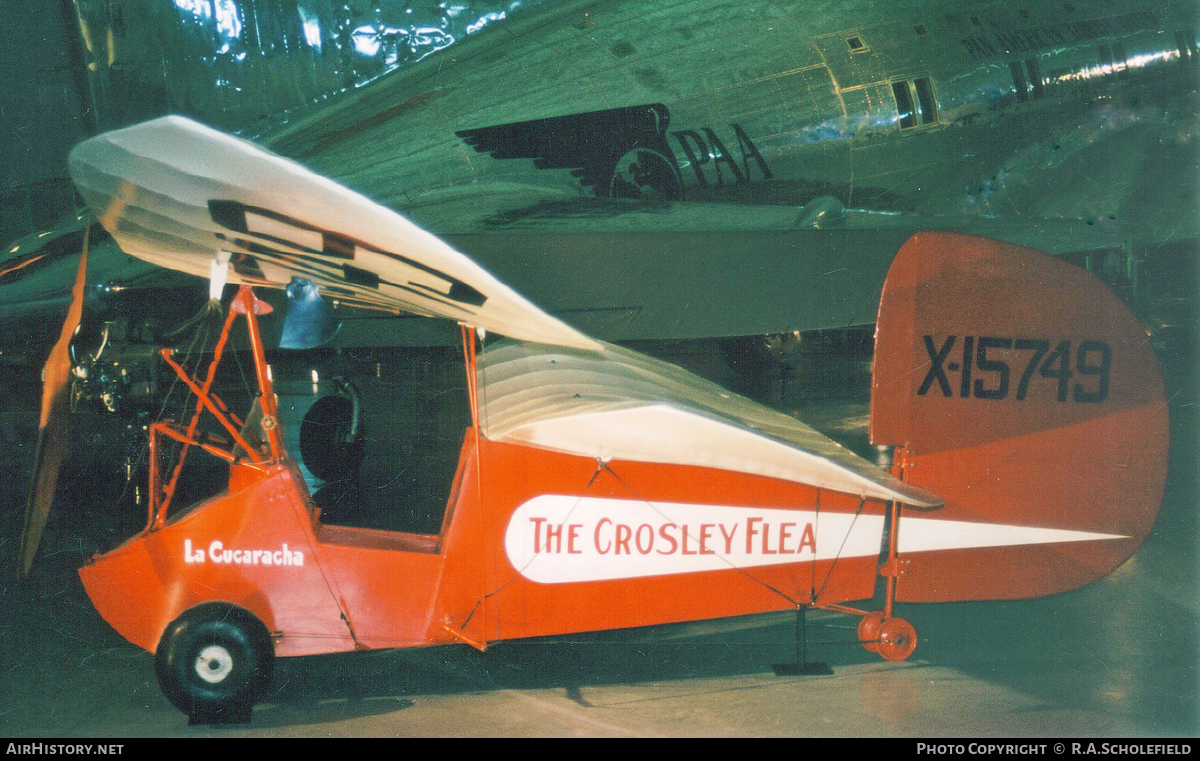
213	662
868	630
893	638
879	631
897	639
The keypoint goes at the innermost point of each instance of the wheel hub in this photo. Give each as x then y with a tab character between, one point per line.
213	664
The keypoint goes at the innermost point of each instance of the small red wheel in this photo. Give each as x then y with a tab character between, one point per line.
868	630
897	639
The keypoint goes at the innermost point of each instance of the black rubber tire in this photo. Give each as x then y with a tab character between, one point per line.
229	641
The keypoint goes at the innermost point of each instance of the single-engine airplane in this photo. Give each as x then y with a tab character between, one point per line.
597	488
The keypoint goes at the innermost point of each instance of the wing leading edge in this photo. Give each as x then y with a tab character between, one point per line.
181	195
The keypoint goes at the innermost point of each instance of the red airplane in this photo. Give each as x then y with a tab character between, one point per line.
597	488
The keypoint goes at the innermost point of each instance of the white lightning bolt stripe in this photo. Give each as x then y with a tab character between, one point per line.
931	535
556	539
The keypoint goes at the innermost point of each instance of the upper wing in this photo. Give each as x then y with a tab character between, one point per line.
181	195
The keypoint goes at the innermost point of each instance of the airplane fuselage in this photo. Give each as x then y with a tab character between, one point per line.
1010	109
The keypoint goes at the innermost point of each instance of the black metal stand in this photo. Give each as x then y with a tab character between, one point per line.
802	667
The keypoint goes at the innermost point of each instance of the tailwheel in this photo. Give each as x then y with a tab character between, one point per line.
868	630
897	639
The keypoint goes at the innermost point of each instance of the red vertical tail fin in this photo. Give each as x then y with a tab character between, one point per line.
1028	396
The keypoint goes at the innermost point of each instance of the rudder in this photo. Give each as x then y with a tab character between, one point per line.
1023	391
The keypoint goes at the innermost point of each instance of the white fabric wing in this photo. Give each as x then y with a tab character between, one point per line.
617	404
180	195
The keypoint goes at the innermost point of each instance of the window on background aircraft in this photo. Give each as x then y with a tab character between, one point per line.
925	102
1035	77
1018	76
904	105
1027	79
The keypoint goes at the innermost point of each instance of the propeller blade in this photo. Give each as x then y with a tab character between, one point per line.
54	426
